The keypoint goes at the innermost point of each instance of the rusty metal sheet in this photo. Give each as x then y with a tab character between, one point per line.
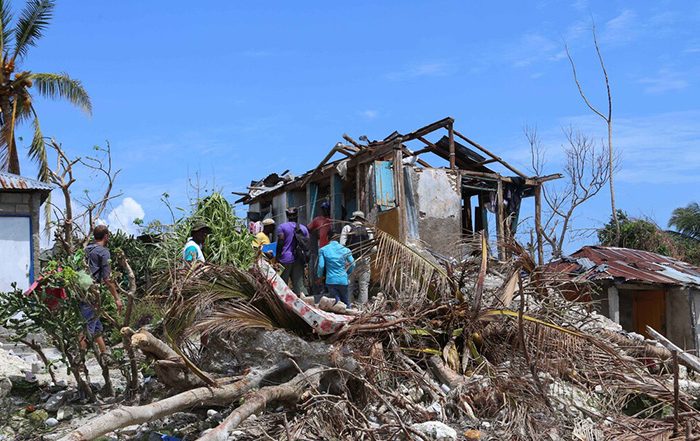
626	265
10	181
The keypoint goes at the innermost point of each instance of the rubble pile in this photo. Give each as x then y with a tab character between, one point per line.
491	354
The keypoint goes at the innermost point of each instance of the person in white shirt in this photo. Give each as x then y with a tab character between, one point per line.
359	238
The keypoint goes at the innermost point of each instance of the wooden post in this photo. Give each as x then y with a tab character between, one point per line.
451	132
358	199
399	189
538	224
675	392
500	220
467	225
613	304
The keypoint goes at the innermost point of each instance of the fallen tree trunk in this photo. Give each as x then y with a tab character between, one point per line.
150	345
290	391
690	360
130	415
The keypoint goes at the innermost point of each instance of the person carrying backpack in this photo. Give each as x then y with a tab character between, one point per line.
359	238
293	251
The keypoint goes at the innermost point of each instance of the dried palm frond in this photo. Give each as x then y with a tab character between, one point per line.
408	273
233	317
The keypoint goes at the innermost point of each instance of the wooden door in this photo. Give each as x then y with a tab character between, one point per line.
649	309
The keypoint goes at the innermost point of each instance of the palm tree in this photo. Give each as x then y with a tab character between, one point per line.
16	85
686	220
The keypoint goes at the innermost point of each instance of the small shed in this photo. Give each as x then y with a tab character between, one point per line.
636	289
20	202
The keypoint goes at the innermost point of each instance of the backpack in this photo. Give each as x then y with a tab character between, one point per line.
358	239
302	245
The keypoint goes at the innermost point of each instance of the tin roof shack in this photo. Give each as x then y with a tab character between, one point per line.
638	288
20	201
401	192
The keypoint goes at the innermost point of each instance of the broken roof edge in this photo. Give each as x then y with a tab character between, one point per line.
355	151
625	265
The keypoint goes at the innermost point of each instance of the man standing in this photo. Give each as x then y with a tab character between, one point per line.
336	262
359	238
193	248
98	260
291	253
322	224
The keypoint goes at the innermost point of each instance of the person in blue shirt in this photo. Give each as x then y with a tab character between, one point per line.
335	262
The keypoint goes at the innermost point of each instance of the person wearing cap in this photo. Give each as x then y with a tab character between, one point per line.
359	238
263	237
286	244
192	252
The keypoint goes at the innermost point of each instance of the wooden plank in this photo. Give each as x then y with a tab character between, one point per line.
690	360
451	132
500	220
538	225
497	158
399	188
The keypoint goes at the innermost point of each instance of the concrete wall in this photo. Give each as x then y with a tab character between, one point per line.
678	325
438	198
279	206
15	203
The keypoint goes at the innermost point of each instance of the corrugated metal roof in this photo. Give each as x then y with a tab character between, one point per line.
625	265
11	181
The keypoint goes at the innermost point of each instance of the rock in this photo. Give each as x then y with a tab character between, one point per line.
5	387
55	401
38	417
435	430
236	434
472	435
65	413
212	413
51	422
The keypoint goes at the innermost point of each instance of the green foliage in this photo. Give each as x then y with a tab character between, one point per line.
228	244
137	253
643	234
686	220
33	313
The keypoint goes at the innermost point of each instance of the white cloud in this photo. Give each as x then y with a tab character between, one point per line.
370	113
122	217
426	69
666	80
621	29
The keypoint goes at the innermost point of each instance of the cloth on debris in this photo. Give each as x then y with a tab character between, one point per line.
98	258
322	322
192	251
287	229
51	296
335	262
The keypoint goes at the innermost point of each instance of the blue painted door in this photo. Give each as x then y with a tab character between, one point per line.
385	194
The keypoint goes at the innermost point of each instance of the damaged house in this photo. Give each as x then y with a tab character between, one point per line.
432	186
636	289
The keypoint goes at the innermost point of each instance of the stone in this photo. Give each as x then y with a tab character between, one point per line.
435	430
212	413
236	434
5	387
65	413
55	401
38	417
51	422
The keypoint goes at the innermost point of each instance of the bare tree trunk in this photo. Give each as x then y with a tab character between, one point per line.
9	133
130	415
290	391
611	164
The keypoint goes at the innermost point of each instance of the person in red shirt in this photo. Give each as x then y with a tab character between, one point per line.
322	224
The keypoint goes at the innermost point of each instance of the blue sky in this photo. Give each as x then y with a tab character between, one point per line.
229	91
